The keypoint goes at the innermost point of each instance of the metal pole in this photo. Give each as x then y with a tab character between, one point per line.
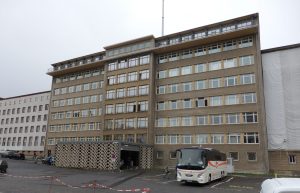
163	18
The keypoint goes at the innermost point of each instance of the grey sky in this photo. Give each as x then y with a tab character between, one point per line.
37	33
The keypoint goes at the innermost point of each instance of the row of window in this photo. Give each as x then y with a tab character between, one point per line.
130	107
131	138
230	138
24	100
204	50
78	76
24	110
77	100
22	141
130	77
76	114
75	127
213	119
235	80
130	123
129	92
26	119
204	67
251	156
25	129
132	62
79	88
233	99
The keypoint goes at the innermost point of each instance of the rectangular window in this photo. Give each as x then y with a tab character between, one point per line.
217	139
201	120
131	107
130	123
112	80
85	99
121	93
142	122
143	106
229	45
163	59
159	155
215	101
122	64
174	121
200	51
216	65
159	139
173	104
93	98
122	78
216	119
231	81
187	54
250	117
110	94
144	59
201	102
112	66
249	98
187	103
246	60
173	88
187	86
186	70
86	86
78	88
132	91
246	42
251	138
161	122
248	79
187	121
144	75
202	139
132	76
144	90
133	62
201	84
162	74
215	48
173	139
231	100
120	108
119	123
174	72
234	156
234	138
215	83
251	156
161	90
110	109
94	85
292	159
187	139
232	118
200	68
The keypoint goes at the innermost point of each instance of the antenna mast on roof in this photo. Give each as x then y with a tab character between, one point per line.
163	18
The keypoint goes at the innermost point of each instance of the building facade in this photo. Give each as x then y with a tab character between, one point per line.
200	87
23	123
281	71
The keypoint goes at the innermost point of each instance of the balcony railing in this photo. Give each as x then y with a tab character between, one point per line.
76	63
206	33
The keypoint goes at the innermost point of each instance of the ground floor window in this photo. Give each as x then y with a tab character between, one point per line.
251	156
234	156
292	159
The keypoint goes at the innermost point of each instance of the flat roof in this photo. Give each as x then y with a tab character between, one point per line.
281	48
25	95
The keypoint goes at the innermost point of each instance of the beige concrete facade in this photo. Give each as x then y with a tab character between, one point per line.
197	87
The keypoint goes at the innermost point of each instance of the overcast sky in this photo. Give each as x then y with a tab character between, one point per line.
36	33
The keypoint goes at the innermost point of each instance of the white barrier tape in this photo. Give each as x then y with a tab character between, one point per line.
94	185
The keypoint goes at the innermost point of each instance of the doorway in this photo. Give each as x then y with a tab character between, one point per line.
129	159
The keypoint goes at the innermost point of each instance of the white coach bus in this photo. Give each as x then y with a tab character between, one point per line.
200	165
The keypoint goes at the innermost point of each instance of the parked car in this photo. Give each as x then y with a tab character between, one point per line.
6	153
3	166
281	185
15	155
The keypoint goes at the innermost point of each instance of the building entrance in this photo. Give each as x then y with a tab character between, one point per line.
129	159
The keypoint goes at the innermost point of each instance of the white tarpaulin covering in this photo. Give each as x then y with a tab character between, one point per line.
281	73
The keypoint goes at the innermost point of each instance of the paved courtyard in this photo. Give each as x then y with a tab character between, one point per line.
27	177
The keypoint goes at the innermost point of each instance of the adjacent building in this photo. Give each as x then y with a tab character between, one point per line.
199	87
281	70
23	123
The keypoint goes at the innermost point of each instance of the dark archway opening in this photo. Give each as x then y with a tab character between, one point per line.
129	159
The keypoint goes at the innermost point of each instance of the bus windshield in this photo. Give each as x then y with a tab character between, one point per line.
191	159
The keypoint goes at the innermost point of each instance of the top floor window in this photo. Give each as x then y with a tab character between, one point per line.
133	62
122	64
112	66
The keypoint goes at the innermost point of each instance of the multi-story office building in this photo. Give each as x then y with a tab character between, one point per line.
200	87
281	72
23	123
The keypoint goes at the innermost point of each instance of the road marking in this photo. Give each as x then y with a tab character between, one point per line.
221	183
168	181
